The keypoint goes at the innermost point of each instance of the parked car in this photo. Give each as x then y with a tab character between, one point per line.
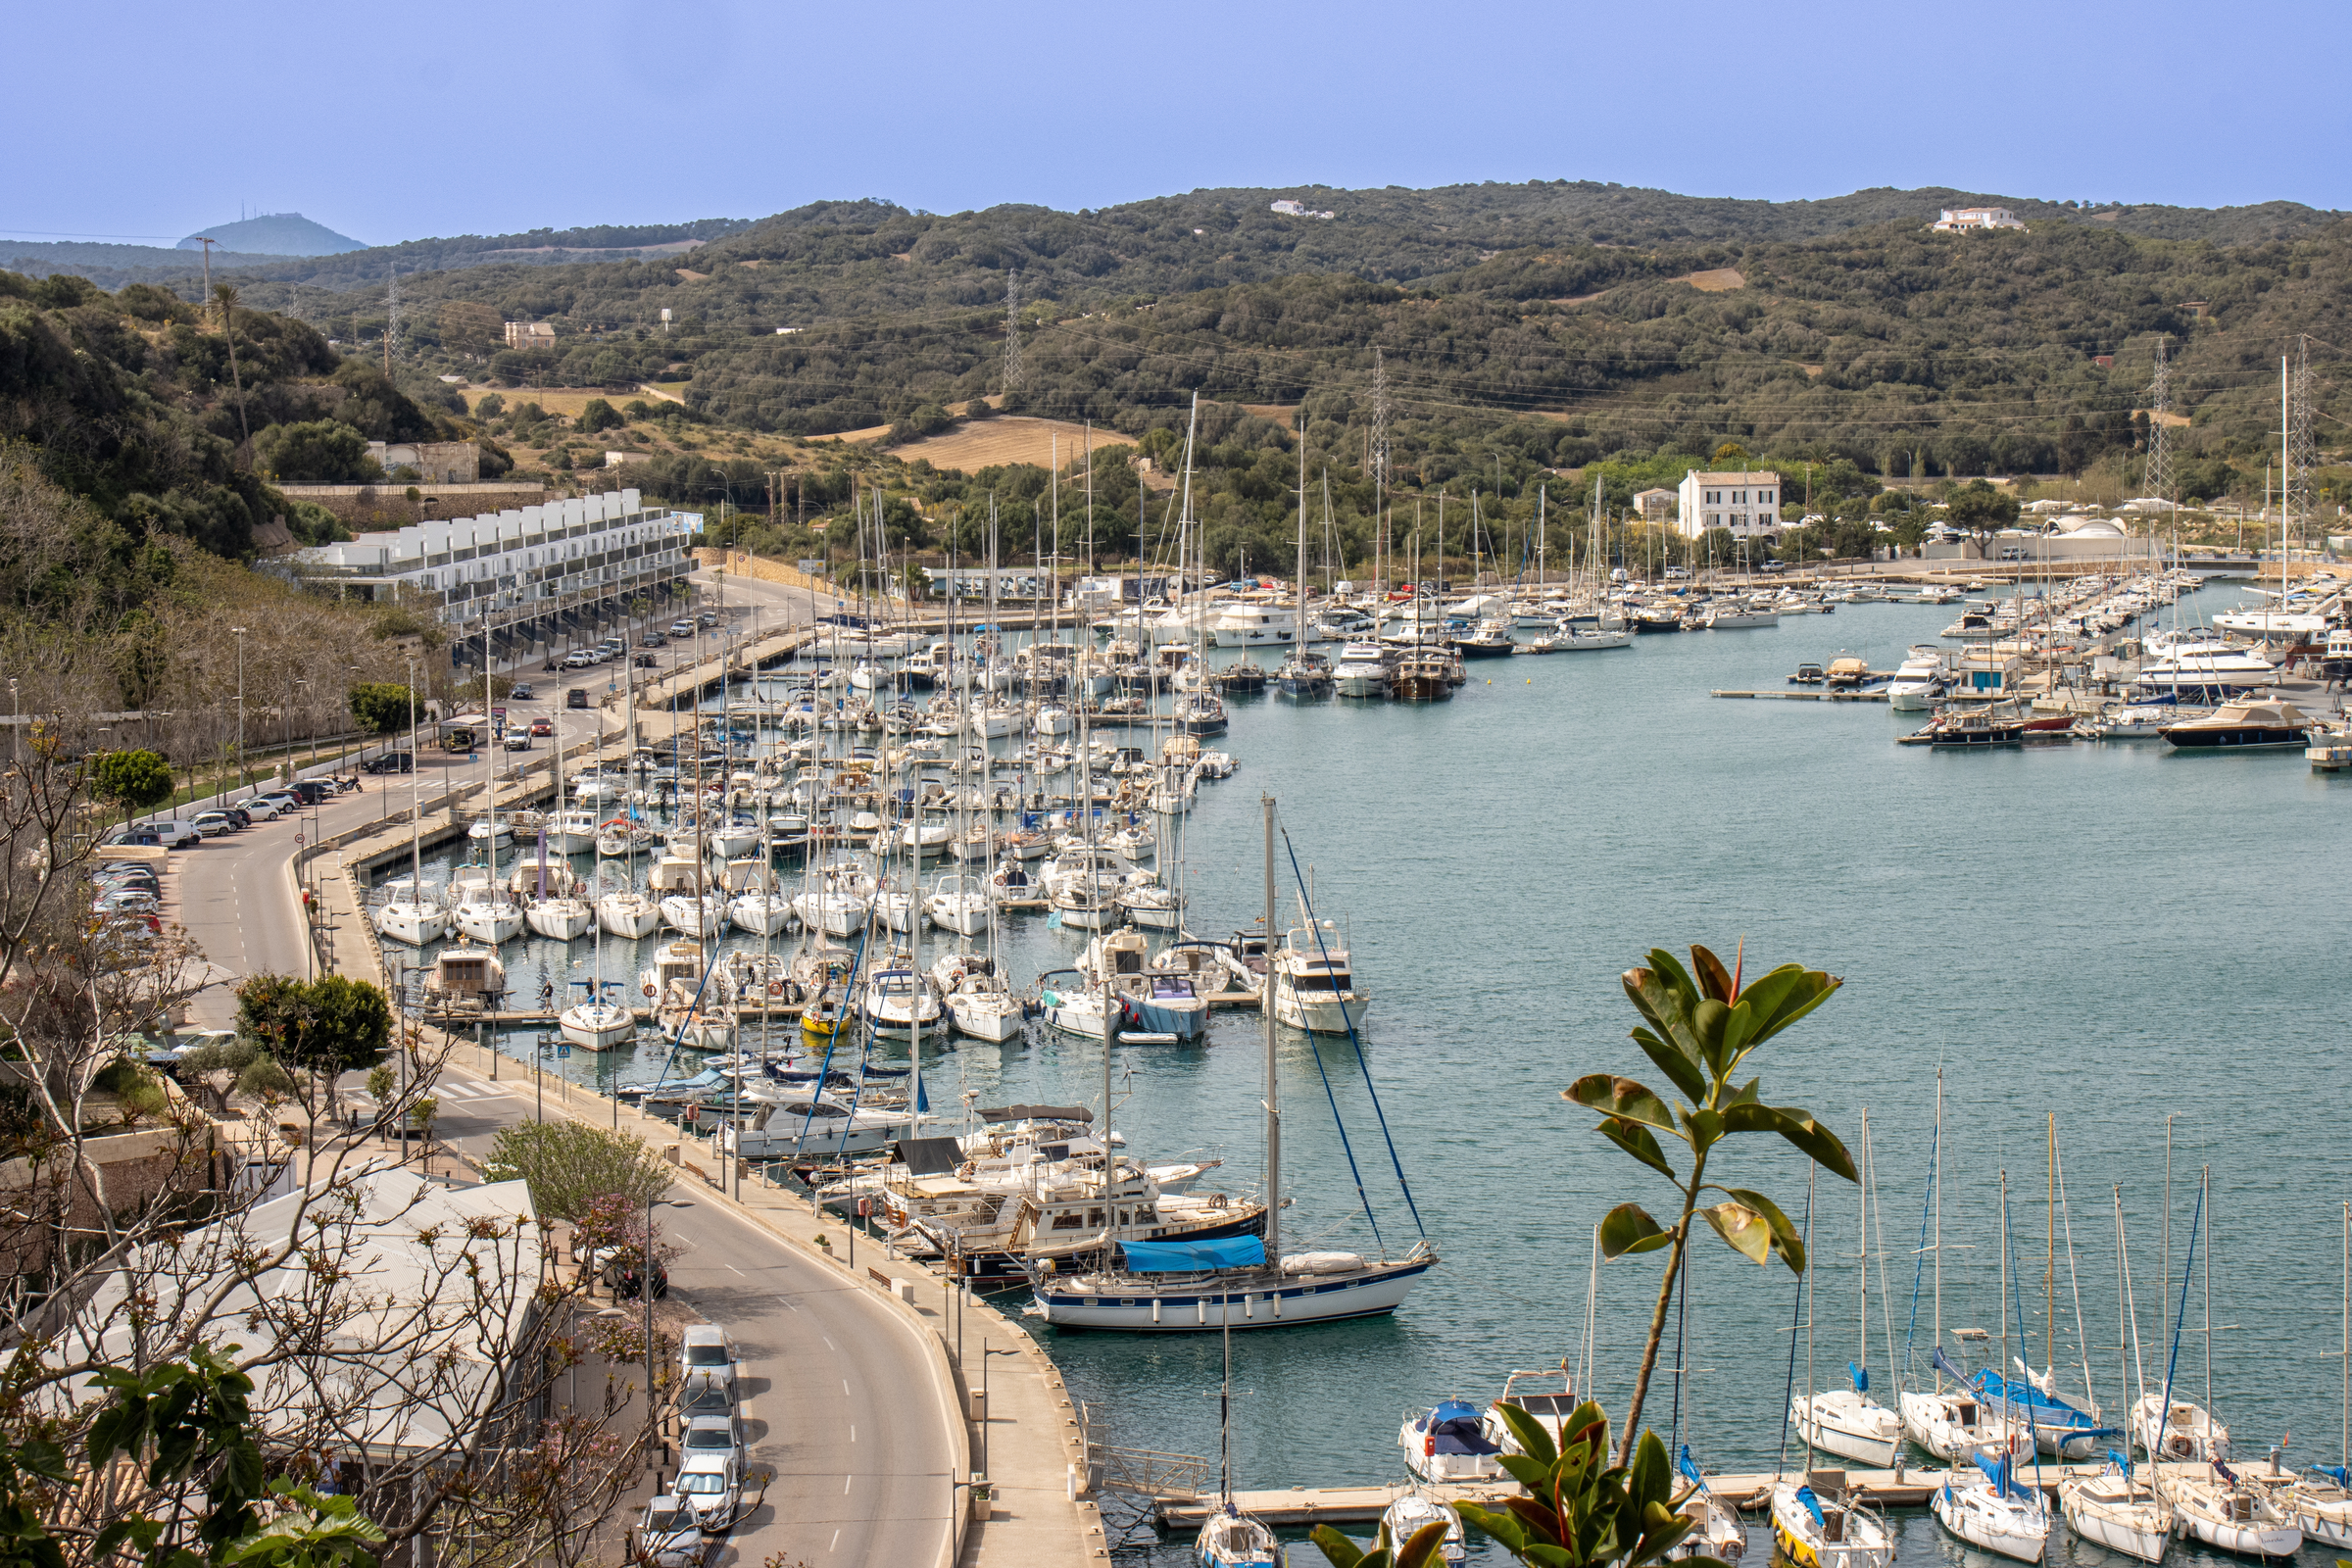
309	791
1773	565
126	876
646	661
126	900
212	824
239	816
521	692
625	1273
261	809
671	1535
713	1484
1677	574
681	627
652	639
579	659
392	762
284	800
708	618
707	1355
179	833
543	728
143	836
716	1433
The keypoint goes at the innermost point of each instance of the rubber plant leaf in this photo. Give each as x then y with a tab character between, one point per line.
1749	1232
1496	1524
1628	1228
1422	1547
1342	1551
1798	1127
1612	1095
1786	1240
1531	1435
1784	996
1713	978
1637	1141
1670	1061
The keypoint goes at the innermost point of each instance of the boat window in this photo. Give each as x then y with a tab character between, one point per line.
1094	1216
1067	1222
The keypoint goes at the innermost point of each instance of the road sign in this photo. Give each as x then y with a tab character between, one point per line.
564	1048
298	839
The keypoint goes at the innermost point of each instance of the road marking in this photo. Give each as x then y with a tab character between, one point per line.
845	1387
853	1432
835	1543
738	1273
844	1486
829	1345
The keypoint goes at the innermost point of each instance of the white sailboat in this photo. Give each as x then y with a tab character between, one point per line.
1990	1512
1848	1422
1237	1282
410	913
1828	1528
1230	1538
483	910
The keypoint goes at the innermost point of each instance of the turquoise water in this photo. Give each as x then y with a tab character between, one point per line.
2109	933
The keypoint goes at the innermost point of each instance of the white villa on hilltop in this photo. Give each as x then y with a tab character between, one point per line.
1953	219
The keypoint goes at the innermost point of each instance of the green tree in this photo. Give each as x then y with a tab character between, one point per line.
322	1028
570	1165
1699	1033
598	414
136	781
1981	509
317	451
381	707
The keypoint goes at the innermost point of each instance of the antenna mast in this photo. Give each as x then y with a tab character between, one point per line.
2301	450
2159	477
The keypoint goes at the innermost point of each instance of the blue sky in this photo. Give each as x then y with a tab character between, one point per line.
436	118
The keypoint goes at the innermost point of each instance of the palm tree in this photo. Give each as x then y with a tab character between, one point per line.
1699	1033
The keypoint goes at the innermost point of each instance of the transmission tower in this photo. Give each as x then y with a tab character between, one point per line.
1380	424
2301	450
1013	330
2159	477
391	317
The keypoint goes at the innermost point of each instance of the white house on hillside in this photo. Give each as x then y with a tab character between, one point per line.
1952	220
1748	504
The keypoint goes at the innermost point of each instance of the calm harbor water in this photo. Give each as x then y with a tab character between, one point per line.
2106	933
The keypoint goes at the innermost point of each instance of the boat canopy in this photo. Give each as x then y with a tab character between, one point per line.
1038	1114
1192	1257
930	1156
1453	1428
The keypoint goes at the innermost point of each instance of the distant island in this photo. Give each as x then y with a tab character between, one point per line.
275	234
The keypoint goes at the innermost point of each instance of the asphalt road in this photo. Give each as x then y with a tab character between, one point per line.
837	1404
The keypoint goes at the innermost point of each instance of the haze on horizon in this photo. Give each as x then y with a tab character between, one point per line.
471	119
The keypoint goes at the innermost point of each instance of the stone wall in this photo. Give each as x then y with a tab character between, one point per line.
376	508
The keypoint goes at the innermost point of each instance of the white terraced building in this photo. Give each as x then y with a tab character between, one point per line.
1748	504
532	575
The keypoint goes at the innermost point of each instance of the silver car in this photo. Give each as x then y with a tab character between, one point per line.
713	1484
671	1535
714	1434
708	1356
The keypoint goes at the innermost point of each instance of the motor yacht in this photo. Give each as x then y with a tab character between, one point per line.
1155	1003
1255	623
1417	1510
573	832
1918	681
688	915
468	972
799	1124
1448	1443
2204	672
1314	983
2243	726
1361	671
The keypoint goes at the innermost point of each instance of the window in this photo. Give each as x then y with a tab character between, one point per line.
1067	1222
1094	1216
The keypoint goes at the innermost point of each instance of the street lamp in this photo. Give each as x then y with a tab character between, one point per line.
305	687
343	750
240	634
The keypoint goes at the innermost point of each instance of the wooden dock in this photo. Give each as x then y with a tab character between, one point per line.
1901	1488
1839	696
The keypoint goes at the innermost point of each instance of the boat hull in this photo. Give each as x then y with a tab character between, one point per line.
598	1030
1217	1305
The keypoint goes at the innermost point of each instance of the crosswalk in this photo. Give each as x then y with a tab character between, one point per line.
461	1089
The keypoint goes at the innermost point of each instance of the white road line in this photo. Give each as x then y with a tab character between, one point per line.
835	1543
844	1486
845	1387
738	1273
853	1432
829	1345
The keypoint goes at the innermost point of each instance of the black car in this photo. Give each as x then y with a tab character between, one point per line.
522	692
625	1276
239	816
578	696
646	661
311	790
392	762
652	639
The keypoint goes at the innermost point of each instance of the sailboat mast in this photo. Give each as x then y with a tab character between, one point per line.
1862	1258
1273	1087
2049	1257
1298	585
1939	1177
2004	1311
2344	1453
2205	1202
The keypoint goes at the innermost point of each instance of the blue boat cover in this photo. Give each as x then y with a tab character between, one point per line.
2336	1473
1804	1495
1192	1257
1860	1375
2121	1462
1997	1472
1689	1468
1455	1428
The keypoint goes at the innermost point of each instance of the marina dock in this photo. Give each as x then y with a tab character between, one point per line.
1878	696
1901	1488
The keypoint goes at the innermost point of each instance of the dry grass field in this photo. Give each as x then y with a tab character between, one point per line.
1722	281
1008	438
567	401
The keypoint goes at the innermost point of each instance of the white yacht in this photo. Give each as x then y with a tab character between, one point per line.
1360	671
979	1002
1850	1424
840	903
1417	1510
561	917
688	915
627	912
958	904
1314	983
2119	1512
2208	671
1449	1444
762	912
897	998
1150	907
409	913
1918	681
2186	1431
1952	1426
464	970
572	832
483	910
1991	1512
597	1023
2230	1515
800	1123
1255	623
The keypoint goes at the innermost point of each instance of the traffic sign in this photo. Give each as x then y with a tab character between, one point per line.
298	839
564	1048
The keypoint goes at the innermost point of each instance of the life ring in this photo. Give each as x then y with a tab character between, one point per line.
647	988
775	988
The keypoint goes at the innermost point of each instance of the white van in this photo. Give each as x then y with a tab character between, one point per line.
175	835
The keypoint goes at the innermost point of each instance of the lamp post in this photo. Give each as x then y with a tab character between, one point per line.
241	635
343	748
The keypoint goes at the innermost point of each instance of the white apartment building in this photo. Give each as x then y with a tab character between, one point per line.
1748	504
532	573
1952	220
